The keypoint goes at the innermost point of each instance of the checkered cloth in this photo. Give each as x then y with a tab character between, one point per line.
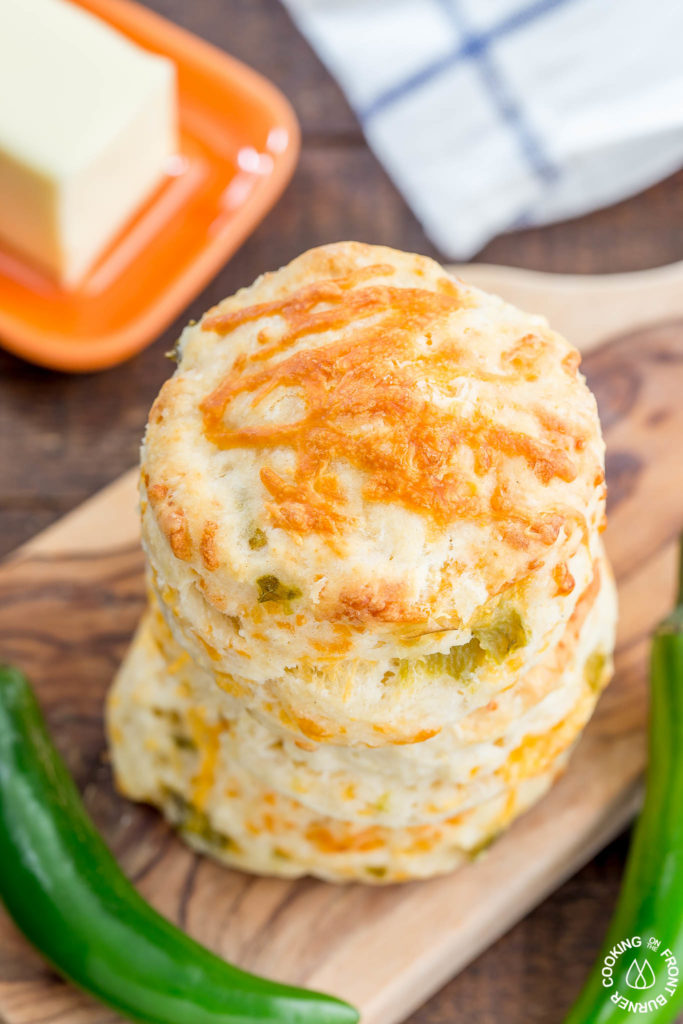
496	114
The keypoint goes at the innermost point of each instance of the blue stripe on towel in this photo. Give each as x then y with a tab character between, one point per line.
507	107
473	46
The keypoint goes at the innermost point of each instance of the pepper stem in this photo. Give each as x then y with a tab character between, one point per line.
679	596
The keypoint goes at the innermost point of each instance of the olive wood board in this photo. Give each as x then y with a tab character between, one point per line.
69	601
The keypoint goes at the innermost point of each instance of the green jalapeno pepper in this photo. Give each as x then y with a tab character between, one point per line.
67	894
636	975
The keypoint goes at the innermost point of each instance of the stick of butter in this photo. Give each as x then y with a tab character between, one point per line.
87	124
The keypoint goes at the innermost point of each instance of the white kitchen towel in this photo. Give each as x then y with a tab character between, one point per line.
496	114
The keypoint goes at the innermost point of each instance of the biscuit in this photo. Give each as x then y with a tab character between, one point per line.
174	756
380	609
398	786
362	466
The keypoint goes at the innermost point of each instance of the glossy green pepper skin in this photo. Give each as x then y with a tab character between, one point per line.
67	894
650	903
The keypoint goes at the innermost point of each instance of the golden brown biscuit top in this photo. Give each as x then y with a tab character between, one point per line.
363	426
362	406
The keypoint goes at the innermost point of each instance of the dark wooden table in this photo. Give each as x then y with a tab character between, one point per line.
62	438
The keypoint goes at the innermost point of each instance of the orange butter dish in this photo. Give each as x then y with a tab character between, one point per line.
238	144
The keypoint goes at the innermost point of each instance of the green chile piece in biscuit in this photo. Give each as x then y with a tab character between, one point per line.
271	589
490	642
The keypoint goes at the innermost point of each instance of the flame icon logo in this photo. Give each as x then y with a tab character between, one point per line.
640	975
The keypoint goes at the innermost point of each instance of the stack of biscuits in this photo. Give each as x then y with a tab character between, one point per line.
380	611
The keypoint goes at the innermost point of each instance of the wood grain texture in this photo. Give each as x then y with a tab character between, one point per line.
617	302
68	604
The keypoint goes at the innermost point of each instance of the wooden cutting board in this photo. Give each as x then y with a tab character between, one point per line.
69	601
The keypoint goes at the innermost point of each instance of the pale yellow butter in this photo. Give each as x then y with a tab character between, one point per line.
87	124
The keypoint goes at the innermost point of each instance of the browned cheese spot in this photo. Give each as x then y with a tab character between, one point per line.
363	408
171	520
207	546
